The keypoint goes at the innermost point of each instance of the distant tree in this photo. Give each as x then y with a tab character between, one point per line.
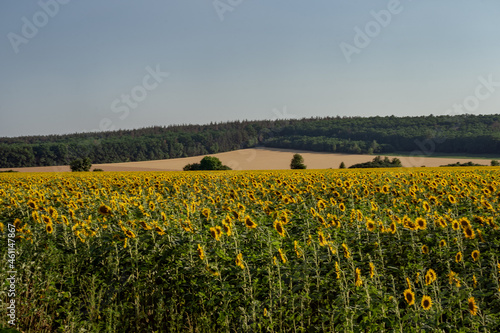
80	164
98	170
210	163
495	163
207	163
458	164
342	165
379	163
297	162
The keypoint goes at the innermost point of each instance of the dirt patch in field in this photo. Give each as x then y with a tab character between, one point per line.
260	159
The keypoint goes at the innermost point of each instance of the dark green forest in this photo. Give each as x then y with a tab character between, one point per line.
424	135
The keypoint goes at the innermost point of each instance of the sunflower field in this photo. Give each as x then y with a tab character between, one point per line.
406	250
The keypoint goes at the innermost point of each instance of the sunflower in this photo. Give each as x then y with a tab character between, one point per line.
200	251
104	210
159	231
151	205
227	227
32	204
372	270
421	223
430	276
458	257
392	228
239	261
321	205
474	280
426	302
425	249
359	281
464	222
452	199
409	296
469	233
475	255
342	207
370	225
321	238
442	243
206	212
282	255
337	269
455	225
279	228
471	304
296	247
129	233
49	227
347	254
216	232
249	223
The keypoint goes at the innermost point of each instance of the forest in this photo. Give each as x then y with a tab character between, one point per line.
424	135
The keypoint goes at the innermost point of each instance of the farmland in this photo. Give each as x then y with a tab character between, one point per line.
272	251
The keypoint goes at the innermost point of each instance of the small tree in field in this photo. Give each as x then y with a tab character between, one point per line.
207	163
494	163
342	165
80	164
297	162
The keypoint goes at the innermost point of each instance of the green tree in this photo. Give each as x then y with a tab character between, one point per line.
297	162
494	163
80	164
210	163
207	163
342	165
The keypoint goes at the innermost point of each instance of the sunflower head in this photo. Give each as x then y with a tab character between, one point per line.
104	210
409	296
458	257
471	304
249	223
426	302
475	255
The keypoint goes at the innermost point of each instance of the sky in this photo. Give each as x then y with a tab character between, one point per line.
69	66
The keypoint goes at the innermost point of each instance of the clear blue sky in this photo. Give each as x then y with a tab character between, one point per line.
245	59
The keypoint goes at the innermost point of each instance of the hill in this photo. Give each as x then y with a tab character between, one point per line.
262	159
463	134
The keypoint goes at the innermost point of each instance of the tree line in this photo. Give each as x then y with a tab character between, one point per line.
470	134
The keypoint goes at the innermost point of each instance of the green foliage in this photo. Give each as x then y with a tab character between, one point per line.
98	170
342	165
462	134
297	162
207	163
80	164
458	164
495	163
379	163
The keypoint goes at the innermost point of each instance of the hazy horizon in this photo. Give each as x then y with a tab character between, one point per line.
72	67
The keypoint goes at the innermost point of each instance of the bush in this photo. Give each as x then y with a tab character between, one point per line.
80	165
342	165
98	170
495	163
207	163
379	163
297	162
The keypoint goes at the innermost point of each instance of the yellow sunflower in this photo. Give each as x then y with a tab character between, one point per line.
409	296
426	302
471	303
475	255
249	223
